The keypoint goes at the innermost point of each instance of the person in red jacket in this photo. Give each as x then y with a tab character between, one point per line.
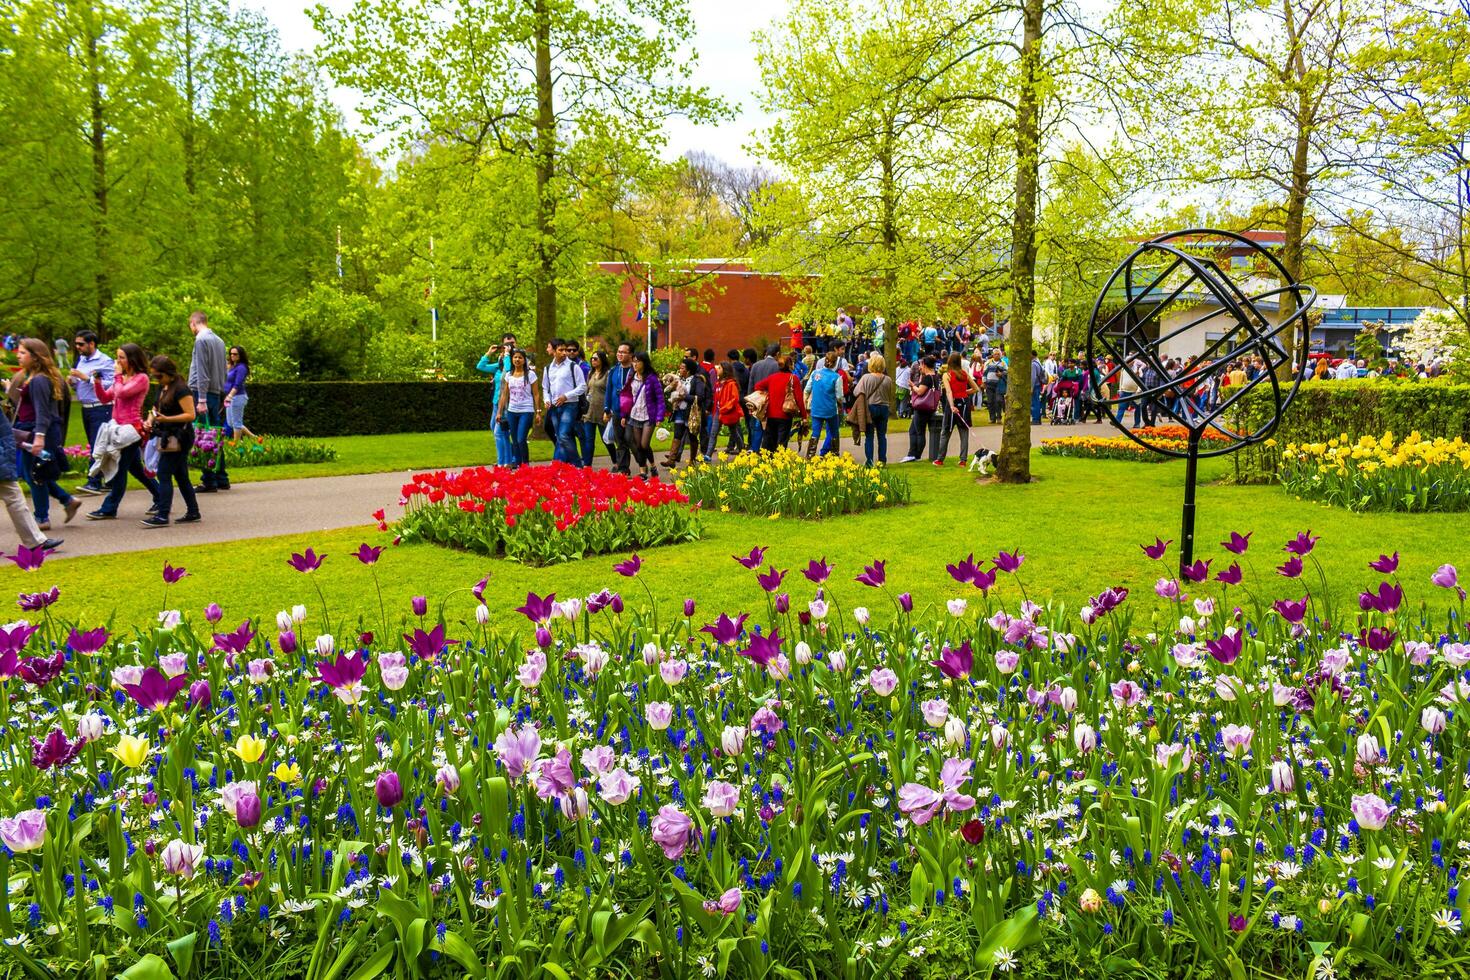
728	409
778	386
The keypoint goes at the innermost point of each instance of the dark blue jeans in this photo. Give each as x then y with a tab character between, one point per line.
590	433
130	462
834	435
518	428
173	468
212	407
92	420
562	418
879	429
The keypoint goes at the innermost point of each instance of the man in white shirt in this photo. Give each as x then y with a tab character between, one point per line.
92	368
562	388
1346	370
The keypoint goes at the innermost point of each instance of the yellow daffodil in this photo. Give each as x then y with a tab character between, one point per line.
131	751
249	748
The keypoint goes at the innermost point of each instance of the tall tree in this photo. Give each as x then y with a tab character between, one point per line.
523	79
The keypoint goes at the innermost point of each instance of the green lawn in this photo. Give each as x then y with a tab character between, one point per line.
1079	526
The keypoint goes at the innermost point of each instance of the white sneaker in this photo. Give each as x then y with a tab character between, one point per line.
908	459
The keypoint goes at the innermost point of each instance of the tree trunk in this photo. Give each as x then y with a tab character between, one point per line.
191	96
98	139
546	323
1013	464
890	245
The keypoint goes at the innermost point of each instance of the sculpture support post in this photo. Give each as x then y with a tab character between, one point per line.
1191	478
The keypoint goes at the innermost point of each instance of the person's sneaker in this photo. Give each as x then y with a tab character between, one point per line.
72	506
87	490
51	544
939	462
154	521
222	486
201	488
98	515
964	461
188	519
908	459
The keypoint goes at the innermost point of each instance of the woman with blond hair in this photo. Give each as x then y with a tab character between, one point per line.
875	387
37	393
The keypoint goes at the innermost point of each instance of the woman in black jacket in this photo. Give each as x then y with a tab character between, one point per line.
39	429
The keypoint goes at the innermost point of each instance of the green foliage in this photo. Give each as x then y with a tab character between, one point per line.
272	451
157	318
328	332
343	408
1325	410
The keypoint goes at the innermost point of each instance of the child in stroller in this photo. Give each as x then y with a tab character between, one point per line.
1063	403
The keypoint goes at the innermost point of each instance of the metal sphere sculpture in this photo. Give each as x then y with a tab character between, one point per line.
1233	310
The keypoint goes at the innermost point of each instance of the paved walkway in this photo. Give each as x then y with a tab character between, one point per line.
278	507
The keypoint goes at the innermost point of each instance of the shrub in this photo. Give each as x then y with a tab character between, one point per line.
272	451
327	332
157	319
1372	474
1349	410
545	514
352	408
787	484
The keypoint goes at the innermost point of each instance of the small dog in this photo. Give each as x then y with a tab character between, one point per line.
982	462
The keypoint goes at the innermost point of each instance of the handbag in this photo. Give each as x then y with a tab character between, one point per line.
788	403
757	402
928	401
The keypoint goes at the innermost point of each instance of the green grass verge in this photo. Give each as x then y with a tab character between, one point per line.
1079	525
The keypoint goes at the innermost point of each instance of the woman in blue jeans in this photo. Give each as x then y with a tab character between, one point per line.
824	399
877	387
36	392
516	409
172	423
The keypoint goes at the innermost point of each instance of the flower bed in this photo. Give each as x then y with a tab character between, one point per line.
964	784
544	514
259	451
1174	437
1372	474
787	484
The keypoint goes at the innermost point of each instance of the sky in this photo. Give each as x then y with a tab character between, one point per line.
726	66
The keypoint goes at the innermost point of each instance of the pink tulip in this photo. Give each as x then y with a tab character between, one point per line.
883	681
182	859
671	831
721	798
517	750
617	787
660	715
1371	812
26	831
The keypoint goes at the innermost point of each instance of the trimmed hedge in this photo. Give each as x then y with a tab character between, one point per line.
363	408
1368	407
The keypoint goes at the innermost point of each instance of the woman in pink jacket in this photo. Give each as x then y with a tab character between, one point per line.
127	394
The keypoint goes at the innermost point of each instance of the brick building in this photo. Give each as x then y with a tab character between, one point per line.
732	306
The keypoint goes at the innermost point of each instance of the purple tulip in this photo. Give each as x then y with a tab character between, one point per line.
388	789
629	567
753	560
427	646
1293	611
26	831
247	810
1009	561
816	572
983	580
964	572
955	662
55	750
36	601
213	613
538	609
40	671
1157	549
154	691
1386	564
1378	639
873	575
237	641
672	831
725	630
1196	571
287	641
172	574
1445	577
306	563
479	589
1386	600
1231	575
342	672
1238	542
783	603
13	639
1107	600
770	579
367	554
543	637
200	696
28	559
1227	648
1302	544
763	649
688	608
1371	811
420	605
906	602
517	750
616	605
1291	568
87	643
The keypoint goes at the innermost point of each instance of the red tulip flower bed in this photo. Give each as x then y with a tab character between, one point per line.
541	515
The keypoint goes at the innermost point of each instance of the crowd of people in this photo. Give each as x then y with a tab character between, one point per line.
123	440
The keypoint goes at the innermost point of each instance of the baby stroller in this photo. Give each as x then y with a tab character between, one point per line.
1063	403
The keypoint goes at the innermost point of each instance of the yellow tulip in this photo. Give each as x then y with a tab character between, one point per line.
131	751
287	772
249	748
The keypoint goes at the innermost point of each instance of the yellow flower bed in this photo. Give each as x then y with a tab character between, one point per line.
786	484
1106	447
1412	474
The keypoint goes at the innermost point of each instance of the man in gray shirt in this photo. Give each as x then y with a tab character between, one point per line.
207	380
